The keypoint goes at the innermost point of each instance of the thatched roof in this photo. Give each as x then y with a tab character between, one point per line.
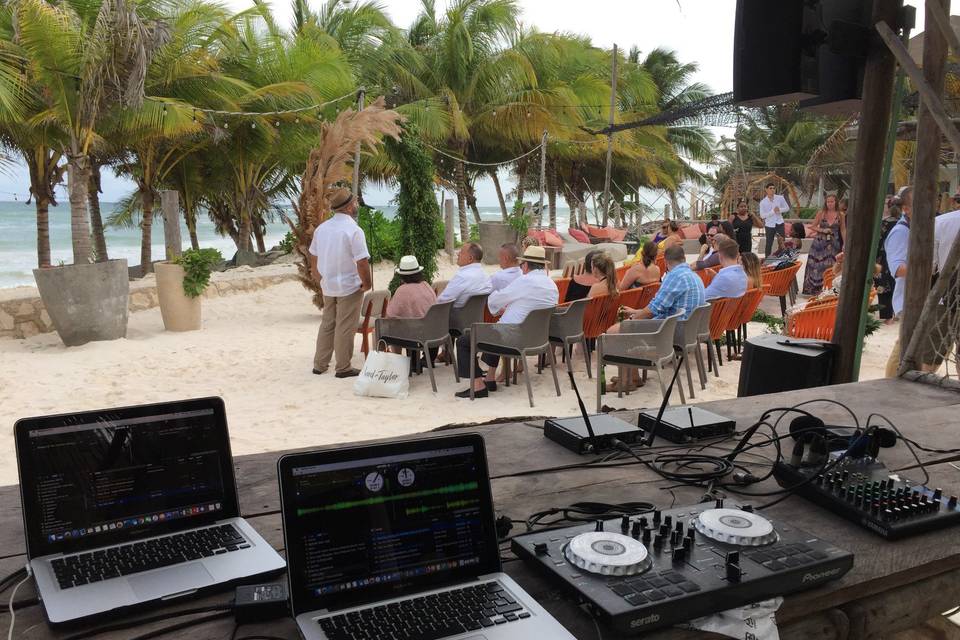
751	186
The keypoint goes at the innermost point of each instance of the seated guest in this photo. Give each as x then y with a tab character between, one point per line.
751	265
581	283
643	272
664	231
673	237
731	280
714	221
414	297
708	257
680	291
509	267
606	274
531	291
469	280
787	251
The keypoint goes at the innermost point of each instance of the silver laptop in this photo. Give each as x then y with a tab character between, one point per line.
398	540
122	507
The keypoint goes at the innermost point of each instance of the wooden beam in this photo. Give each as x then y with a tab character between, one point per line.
926	177
613	114
940	16
864	197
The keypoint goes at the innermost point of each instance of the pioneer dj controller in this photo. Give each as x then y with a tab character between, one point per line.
643	572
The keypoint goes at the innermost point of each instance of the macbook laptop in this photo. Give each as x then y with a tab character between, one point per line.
122	507
397	540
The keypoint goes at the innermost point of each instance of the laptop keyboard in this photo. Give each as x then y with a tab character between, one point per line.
112	562
431	617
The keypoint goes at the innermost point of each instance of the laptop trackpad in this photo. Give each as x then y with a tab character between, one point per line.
190	576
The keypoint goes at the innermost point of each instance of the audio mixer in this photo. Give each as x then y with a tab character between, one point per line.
864	491
644	572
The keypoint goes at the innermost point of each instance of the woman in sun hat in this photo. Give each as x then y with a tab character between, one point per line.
414	297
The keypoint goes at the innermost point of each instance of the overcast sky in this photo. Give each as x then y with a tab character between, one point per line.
699	30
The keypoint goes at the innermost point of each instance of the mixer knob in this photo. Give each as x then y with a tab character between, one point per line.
734	573
938	494
599	526
889	483
674	539
846	474
679	526
645	537
688	544
679	554
657	541
656	518
635	529
664	529
624	523
952	503
643	522
691	534
719	504
540	548
668	520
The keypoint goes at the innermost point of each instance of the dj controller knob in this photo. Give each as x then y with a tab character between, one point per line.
599	526
635	529
624	523
938	494
678	555
540	548
668	520
688	544
657	541
645	537
734	573
664	529
643	522
719	504
656	518
952	503
679	526
691	534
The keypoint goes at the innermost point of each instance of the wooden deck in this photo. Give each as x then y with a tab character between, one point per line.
893	585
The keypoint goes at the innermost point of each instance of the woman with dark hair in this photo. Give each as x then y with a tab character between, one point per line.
581	283
673	236
414	297
643	272
827	243
884	281
606	274
743	222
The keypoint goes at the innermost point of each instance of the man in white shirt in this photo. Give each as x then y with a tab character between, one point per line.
340	262
772	207
509	258
469	280
531	291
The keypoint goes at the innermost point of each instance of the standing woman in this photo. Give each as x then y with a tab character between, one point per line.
827	243
884	281
743	224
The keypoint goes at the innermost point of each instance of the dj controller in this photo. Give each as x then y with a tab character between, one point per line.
642	572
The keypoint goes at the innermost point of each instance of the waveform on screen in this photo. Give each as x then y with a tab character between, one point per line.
427	508
375	500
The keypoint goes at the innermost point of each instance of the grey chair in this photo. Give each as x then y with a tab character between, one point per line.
515	341
687	339
439	286
641	344
566	329
420	334
468	315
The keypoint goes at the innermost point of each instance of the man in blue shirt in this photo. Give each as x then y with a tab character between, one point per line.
731	280
681	290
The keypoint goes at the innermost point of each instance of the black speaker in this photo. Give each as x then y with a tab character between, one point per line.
772	363
842	58
775	59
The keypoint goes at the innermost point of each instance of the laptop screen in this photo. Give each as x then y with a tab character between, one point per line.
101	477
369	523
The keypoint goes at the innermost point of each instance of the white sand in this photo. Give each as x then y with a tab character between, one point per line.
256	350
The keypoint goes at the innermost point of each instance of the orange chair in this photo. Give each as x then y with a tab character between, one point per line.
630	298
622	271
721	316
601	314
562	285
737	329
649	291
813	321
706	276
777	283
374	306
661	264
828	277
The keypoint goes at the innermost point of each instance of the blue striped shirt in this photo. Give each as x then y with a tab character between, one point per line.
681	289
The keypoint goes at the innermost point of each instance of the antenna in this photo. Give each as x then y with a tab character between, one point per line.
583	411
666	399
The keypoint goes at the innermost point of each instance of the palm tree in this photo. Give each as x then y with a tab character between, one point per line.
88	57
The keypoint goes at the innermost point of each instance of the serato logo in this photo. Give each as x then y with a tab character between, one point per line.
811	577
642	622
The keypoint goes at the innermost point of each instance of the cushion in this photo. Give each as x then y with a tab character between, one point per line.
811	232
536	234
617	235
579	235
551	239
601	233
690	231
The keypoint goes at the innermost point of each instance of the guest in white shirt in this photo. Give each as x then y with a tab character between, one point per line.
531	291
772	207
340	262
509	258
469	280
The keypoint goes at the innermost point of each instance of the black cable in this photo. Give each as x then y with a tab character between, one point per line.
8	580
129	624
258	637
26	602
156	633
926	475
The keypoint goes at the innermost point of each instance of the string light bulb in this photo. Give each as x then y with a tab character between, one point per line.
494	113
529	114
253	125
226	125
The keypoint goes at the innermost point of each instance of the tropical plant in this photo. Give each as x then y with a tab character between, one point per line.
197	266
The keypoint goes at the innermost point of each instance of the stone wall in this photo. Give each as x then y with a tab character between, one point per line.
25	316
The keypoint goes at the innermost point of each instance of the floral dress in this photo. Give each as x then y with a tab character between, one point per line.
823	255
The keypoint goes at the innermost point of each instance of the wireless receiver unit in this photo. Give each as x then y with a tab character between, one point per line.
687	424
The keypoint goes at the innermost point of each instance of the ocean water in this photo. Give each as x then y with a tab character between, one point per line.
18	237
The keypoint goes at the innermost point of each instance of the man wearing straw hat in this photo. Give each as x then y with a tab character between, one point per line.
531	291
340	261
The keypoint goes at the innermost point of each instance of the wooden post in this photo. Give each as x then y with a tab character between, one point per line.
926	179
613	112
356	154
864	197
170	205
448	226
543	174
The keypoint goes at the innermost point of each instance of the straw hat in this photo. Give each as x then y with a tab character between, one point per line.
534	254
340	198
408	266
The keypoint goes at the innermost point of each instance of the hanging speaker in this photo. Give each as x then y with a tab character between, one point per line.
775	51
842	58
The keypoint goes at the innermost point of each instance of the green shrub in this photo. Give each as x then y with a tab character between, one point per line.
774	323
806	213
474	233
197	265
286	245
383	235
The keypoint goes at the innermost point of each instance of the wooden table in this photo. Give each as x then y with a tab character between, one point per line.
892	586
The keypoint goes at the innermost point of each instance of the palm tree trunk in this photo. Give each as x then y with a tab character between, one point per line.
146	231
462	204
552	192
675	205
472	203
78	170
246	229
500	199
96	221
258	235
43	231
522	165
190	215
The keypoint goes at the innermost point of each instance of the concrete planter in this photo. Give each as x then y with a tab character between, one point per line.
493	235
86	302
179	311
